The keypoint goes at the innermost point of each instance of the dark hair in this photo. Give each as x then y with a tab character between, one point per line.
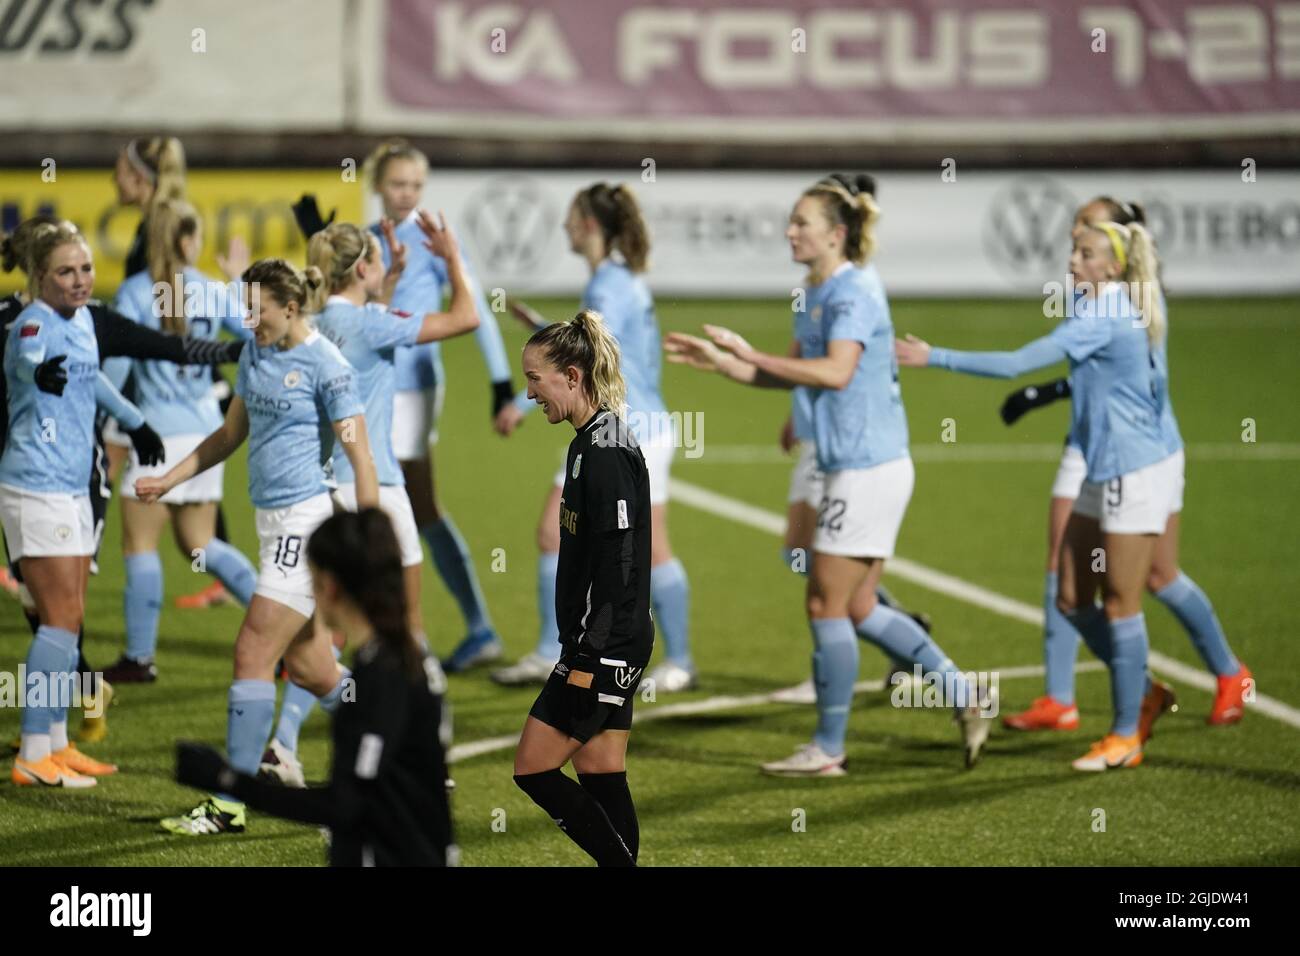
1124	213
360	550
615	209
854	183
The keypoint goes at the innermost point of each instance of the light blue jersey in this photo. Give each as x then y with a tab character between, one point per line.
1173	438
368	336
863	424
293	398
420	291
1118	385
178	399
624	302
51	438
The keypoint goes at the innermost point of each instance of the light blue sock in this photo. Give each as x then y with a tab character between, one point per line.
904	640
330	702
1093	627
1060	645
835	669
548	637
142	604
1128	671
229	566
53	656
451	558
1196	614
295	707
670	594
249	715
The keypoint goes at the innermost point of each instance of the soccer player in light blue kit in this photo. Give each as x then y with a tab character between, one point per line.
605	226
54	382
179	399
397	172
843	352
368	334
1056	709
1119	395
294	394
806	484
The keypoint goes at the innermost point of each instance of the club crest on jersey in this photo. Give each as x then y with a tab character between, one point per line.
577	464
292	378
625	677
815	313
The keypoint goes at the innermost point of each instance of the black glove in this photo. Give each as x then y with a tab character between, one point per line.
148	446
308	215
199	766
232	351
1033	396
50	376
503	393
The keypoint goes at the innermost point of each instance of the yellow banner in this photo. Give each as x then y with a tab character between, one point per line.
252	204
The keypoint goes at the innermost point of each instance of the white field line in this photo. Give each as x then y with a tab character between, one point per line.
996	453
688	708
954	587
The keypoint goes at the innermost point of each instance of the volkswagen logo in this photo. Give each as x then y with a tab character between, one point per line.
513	225
1027	230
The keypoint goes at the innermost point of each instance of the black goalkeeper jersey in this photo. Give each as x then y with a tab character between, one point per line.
602	582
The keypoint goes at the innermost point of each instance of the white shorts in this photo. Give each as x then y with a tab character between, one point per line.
46	524
394	502
658	462
1069	474
415	422
204	487
862	509
807	482
282	535
1137	503
113	434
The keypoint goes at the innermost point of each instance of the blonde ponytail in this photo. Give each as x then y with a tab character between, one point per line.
336	250
586	343
171	221
1144	271
161	160
1135	250
618	213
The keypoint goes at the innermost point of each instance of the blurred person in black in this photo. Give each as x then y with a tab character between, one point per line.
386	802
602	596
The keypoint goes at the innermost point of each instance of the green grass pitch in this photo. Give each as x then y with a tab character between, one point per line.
1205	796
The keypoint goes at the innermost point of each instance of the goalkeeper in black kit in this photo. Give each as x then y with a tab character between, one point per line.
602	596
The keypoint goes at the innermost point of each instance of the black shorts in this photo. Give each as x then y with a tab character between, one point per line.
584	696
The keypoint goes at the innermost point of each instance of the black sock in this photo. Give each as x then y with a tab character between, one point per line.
220	533
578	814
612	793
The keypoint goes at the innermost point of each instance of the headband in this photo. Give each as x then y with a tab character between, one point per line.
1116	242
